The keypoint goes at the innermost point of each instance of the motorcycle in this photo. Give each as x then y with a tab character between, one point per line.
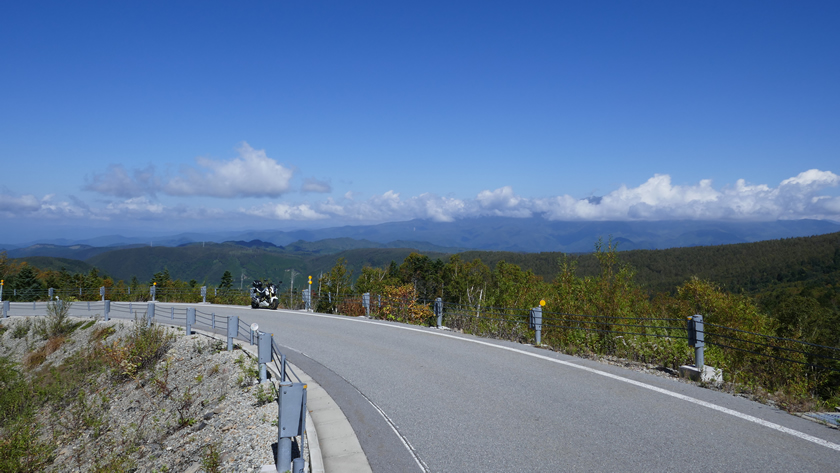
264	296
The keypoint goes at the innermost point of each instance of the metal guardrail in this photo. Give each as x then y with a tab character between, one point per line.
291	396
374	305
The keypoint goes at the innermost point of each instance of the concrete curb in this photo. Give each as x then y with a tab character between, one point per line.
315	461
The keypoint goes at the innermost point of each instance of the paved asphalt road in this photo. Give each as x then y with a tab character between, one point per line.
456	403
469	404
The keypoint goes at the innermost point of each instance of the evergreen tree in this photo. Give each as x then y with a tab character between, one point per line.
27	285
227	281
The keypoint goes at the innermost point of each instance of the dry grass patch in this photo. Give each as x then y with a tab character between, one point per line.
37	357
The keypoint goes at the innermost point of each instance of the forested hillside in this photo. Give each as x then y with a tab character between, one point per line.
743	267
784	288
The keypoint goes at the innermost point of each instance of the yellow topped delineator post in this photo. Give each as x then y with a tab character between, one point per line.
535	321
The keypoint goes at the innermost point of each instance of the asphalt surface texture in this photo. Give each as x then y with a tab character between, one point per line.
424	399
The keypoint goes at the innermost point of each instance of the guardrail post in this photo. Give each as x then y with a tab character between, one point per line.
696	339
366	303
34	306
153	291
264	352
102	293
190	319
5	309
439	311
291	422
172	313
535	322
150	314
51	293
107	311
204	294
232	330
88	306
213	319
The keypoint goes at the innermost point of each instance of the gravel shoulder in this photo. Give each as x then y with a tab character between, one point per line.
198	408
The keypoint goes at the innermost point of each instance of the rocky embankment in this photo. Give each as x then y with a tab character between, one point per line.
102	407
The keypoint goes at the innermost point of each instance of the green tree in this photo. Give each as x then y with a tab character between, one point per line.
26	283
373	280
227	281
162	278
334	285
466	283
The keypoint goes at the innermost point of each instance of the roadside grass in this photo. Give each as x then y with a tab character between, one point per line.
67	387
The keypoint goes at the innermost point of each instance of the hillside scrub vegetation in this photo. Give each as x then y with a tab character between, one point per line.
760	350
631	305
120	396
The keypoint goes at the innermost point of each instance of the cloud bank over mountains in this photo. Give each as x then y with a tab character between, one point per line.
134	194
252	174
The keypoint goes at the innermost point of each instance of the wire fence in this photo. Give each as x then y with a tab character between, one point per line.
654	340
657	340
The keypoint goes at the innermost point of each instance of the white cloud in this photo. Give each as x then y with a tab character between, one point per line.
134	206
502	202
119	182
252	174
284	211
13	205
657	198
314	185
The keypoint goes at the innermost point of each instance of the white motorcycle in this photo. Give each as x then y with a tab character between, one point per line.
264	296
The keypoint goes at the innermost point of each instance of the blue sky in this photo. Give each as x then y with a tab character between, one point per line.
143	117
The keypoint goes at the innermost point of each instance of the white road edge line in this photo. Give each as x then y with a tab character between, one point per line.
740	415
402	438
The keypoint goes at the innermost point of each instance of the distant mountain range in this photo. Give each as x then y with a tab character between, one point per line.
273	253
487	233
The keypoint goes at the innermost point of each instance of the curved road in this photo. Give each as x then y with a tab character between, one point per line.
423	399
461	403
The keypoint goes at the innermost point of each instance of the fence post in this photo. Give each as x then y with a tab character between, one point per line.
307	298
190	319
696	339
107	311
366	303
535	322
291	422
150	314
439	311
264	352
232	330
